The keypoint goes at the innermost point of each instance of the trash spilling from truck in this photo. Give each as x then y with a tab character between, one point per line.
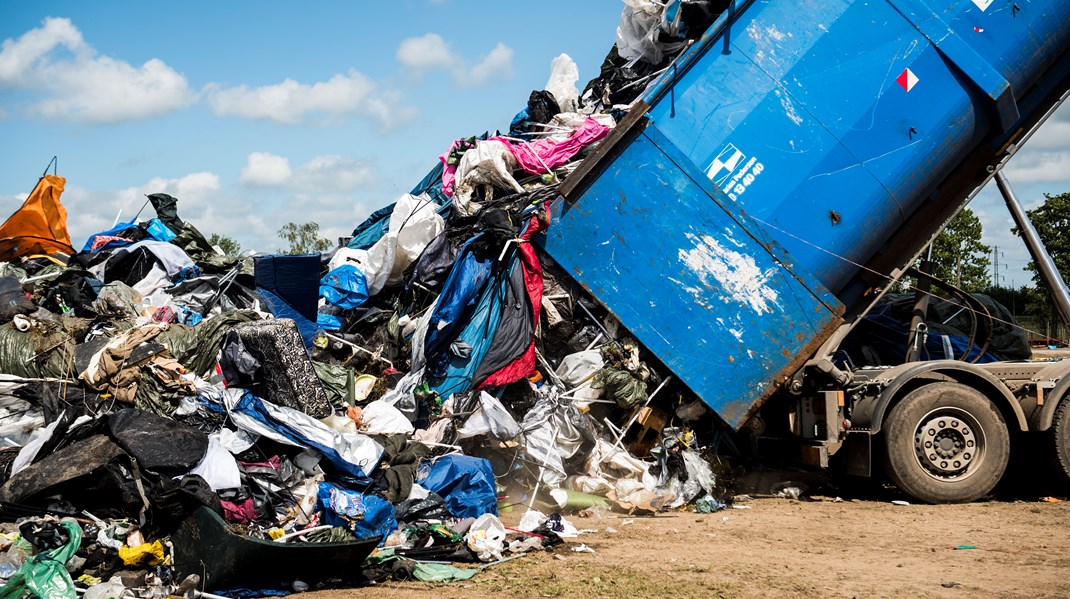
582	313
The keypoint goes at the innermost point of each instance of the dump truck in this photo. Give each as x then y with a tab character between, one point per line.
780	177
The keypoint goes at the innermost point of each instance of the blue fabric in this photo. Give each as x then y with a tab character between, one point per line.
465	482
364	515
188	317
344	287
460	294
253	406
119	228
479	334
289	285
159	231
328	322
372	229
282	309
517	126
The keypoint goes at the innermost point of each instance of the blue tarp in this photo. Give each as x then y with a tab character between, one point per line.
344	287
289	285
364	515
316	437
466	483
112	232
460	295
478	333
159	231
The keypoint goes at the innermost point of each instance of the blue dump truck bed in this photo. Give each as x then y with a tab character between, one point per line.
762	193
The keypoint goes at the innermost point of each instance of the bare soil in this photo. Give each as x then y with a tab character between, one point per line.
787	548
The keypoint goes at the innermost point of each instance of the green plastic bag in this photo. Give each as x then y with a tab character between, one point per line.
45	574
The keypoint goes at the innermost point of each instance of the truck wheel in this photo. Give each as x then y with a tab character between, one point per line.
946	443
1058	445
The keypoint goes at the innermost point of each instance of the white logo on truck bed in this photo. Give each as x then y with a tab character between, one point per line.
725	171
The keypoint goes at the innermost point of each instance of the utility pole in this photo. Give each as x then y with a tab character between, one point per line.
995	266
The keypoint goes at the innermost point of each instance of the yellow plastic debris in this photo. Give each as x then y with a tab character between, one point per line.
149	554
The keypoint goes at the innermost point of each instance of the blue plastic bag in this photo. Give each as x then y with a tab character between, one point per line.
344	287
364	515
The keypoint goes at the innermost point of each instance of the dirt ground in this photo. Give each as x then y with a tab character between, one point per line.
786	548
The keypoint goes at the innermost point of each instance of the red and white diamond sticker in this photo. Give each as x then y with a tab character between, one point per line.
983	4
907	79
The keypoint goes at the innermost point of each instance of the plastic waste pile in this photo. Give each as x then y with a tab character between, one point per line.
176	421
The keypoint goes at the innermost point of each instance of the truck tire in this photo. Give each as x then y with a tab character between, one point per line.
946	443
1058	444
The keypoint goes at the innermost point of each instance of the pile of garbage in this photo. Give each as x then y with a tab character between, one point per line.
176	420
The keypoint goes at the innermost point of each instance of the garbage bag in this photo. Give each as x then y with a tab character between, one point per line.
157	443
562	82
145	554
620	386
45	575
486	538
13	300
465	482
489	417
344	287
218	468
364	515
414	223
489	163
381	418
117	299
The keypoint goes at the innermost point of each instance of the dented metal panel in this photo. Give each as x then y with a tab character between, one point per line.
692	278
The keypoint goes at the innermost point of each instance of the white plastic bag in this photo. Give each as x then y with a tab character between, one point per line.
562	83
112	589
381	418
531	520
489	163
486	538
413	224
489	417
218	467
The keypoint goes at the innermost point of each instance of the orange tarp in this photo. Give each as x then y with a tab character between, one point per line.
40	226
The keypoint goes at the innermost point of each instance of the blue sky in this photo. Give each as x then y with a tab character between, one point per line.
255	114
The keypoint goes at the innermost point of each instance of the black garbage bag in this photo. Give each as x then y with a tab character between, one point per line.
91	462
542	106
240	368
167	209
158	444
12	299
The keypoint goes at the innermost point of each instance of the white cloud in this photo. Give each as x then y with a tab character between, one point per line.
214	207
498	63
326	174
266	170
427	52
292	102
77	84
1040	167
332	174
430	52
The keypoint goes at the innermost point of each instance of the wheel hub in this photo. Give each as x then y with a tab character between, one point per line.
946	445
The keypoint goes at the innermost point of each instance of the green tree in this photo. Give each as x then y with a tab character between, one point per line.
959	257
229	245
303	239
1051	220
